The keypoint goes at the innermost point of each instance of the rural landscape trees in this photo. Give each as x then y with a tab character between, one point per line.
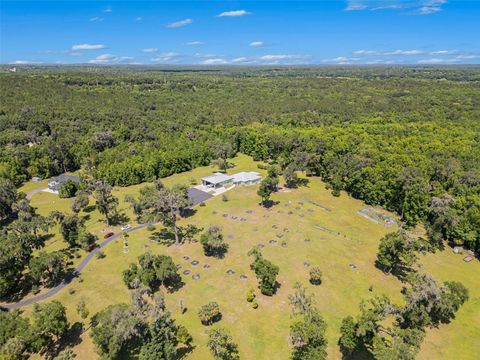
405	139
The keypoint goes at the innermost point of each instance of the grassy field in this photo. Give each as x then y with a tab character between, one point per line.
337	238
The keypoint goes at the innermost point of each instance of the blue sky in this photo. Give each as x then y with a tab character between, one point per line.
241	32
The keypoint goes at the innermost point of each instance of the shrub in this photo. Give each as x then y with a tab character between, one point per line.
202	204
254	304
209	313
151	227
266	273
315	275
224	197
100	255
250	295
213	243
68	189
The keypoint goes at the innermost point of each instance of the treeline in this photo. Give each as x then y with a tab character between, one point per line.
394	137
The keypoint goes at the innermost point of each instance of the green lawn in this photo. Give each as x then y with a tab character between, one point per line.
263	332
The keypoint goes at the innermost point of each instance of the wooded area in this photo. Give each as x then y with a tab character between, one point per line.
404	138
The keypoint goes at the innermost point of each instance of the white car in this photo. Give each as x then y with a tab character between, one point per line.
125	227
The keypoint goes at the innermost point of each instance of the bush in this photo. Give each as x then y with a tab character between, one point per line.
68	189
100	255
202	204
209	313
224	197
151	227
255	305
213	243
250	295
315	275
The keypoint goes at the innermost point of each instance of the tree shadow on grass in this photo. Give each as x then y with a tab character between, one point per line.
269	203
183	351
400	272
120	218
72	337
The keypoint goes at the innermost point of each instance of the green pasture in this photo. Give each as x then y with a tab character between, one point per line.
316	227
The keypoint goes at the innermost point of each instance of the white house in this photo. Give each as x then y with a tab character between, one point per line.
55	183
218	180
246	178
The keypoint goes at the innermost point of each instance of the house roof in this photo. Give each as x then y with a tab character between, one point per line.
62	178
217	178
246	176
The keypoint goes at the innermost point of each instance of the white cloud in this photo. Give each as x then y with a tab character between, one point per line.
204	56
241	60
403	52
194	43
353	5
467	57
419	7
257	43
110	59
426	10
138	18
166	57
283	57
438	61
88	46
234	13
150	50
107	9
216	61
24	62
180	23
341	60
97	19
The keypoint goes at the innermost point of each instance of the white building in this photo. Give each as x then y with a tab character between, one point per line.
218	180
246	178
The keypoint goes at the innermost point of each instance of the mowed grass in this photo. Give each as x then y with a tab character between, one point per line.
337	238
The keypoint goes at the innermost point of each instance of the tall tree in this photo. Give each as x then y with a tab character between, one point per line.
221	345
105	201
8	195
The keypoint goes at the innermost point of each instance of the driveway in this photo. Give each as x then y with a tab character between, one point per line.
198	196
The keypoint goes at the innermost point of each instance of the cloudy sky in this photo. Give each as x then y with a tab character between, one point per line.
240	32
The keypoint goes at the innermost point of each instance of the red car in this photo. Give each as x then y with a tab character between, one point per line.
108	234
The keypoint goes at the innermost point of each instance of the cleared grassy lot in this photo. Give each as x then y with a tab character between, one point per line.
337	238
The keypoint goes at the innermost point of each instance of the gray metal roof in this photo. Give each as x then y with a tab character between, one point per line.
217	178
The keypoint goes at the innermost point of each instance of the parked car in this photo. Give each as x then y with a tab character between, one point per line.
108	234
125	227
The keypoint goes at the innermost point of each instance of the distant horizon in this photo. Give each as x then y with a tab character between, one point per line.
240	33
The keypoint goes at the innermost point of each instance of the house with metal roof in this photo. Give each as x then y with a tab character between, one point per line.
217	180
55	183
246	178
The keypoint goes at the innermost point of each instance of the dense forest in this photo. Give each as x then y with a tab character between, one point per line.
407	139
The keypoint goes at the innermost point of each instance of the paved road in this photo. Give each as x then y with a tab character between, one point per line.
69	279
197	196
